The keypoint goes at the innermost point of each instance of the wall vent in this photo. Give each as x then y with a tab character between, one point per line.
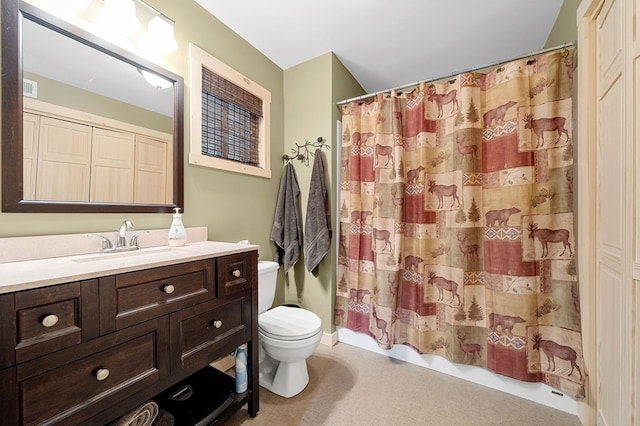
30	88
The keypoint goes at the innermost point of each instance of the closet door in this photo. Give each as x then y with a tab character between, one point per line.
30	127
615	213
112	166
64	154
633	346
150	171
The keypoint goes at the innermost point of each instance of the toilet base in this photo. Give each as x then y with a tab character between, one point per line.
286	379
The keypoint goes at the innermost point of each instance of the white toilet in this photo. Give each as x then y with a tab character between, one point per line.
288	336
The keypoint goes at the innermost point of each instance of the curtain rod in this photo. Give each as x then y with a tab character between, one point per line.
539	52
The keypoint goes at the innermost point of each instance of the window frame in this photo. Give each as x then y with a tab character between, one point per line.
198	59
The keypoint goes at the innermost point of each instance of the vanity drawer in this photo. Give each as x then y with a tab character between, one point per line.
213	329
237	272
49	319
70	386
142	295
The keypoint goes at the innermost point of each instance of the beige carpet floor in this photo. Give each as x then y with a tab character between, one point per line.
353	386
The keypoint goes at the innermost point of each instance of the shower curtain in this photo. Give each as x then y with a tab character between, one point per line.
456	221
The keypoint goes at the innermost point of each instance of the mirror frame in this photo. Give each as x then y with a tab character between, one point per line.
13	11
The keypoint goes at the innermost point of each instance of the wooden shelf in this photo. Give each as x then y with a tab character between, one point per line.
205	398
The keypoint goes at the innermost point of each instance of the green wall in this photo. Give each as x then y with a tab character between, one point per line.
311	91
565	29
227	203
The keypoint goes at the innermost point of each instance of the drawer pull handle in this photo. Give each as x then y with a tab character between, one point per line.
236	273
102	374
50	320
215	323
168	289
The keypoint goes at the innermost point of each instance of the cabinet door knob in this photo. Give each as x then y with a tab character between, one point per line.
236	273
215	323
168	289
50	320
102	374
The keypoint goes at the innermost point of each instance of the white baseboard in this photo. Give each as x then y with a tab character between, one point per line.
535	392
329	339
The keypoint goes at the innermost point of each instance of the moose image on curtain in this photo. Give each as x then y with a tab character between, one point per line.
457	225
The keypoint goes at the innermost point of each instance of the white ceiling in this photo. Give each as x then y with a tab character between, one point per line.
386	44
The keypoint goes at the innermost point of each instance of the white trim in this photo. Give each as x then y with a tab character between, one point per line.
329	339
197	59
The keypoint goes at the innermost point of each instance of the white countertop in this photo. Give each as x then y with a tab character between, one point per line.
30	274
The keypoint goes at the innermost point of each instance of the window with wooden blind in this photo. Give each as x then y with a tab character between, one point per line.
229	118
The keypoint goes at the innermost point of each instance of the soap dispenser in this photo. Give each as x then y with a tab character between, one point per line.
177	234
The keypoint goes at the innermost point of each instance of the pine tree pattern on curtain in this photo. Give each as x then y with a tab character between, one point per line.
456	221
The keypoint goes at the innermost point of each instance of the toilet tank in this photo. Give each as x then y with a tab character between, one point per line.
267	278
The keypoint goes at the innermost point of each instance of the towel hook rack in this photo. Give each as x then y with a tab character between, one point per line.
302	152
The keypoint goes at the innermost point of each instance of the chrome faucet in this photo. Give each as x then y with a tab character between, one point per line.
122	241
134	240
106	243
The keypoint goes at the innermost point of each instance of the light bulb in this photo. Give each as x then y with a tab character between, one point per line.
159	39
118	18
155	80
72	6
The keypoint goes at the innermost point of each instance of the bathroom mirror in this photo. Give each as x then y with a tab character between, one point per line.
76	138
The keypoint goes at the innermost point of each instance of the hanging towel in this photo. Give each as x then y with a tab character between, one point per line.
317	228
287	227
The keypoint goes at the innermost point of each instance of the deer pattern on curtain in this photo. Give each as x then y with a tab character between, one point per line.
456	221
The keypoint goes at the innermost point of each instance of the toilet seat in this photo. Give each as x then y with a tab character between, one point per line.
288	323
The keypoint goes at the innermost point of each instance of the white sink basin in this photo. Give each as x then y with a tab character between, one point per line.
105	257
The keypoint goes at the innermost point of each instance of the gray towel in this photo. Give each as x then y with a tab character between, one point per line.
287	228
317	228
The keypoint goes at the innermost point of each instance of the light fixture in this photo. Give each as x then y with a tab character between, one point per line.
73	6
155	80
67	9
118	18
159	39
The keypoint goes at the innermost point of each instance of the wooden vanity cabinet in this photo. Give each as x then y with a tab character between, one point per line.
69	386
68	317
87	352
128	299
215	327
235	273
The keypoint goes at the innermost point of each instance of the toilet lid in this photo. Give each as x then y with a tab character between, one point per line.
288	323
